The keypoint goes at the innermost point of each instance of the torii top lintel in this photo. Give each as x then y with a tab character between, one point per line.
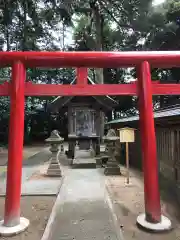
162	59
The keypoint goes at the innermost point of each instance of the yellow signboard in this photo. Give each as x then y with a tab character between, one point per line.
127	134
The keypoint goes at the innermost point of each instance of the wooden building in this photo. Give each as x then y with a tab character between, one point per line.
167	123
85	127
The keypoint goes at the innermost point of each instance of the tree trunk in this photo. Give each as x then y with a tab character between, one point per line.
7	38
99	45
24	36
99	76
6	24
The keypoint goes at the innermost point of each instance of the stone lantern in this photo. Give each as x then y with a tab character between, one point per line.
112	167
55	140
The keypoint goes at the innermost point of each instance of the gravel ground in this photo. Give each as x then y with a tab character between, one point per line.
37	210
129	203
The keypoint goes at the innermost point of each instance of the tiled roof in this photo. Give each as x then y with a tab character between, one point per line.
174	111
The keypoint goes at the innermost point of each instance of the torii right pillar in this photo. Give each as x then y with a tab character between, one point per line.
152	219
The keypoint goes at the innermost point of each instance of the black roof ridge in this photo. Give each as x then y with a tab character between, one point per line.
174	107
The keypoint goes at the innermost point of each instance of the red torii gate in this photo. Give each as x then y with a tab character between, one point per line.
18	88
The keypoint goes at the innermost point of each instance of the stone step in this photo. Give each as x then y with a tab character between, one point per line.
83	154
84	163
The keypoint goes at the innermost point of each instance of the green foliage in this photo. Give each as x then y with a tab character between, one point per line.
133	25
112	25
27	25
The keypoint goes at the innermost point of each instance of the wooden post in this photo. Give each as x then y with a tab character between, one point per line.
127	136
127	163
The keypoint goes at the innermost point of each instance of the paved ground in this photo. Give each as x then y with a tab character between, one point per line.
33	159
34	182
28	151
36	209
81	211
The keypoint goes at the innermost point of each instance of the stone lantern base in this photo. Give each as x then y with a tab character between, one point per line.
54	169
112	166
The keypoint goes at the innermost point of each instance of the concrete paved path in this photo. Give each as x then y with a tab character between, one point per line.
81	212
33	182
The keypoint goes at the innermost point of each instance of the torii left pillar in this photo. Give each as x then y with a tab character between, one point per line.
13	223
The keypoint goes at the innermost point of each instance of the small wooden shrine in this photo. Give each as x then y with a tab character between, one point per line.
84	120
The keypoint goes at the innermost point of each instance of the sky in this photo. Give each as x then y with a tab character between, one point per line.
156	2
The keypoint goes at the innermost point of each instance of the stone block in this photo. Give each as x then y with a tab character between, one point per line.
115	170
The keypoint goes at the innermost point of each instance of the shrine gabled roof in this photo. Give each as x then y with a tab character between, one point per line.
106	101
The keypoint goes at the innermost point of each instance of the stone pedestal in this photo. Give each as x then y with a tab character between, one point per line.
54	168
112	167
98	162
92	152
